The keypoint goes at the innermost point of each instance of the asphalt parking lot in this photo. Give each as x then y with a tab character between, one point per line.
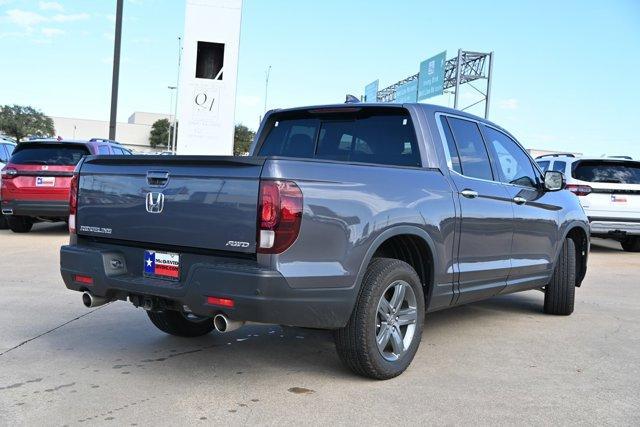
496	362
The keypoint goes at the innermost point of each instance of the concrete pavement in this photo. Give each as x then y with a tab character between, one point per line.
500	361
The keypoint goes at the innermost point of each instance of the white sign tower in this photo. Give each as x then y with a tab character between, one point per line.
207	92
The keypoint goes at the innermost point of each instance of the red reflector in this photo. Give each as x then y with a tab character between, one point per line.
224	302
87	280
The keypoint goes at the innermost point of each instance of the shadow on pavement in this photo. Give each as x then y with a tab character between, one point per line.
255	349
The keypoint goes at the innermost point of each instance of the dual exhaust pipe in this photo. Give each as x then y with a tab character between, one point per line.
89	300
221	322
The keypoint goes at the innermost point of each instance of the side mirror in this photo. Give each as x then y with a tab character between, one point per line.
554	181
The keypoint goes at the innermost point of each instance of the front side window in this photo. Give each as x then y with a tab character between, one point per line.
474	159
365	137
103	149
515	165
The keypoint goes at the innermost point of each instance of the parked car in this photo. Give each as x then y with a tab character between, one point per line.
6	149
357	219
35	181
608	189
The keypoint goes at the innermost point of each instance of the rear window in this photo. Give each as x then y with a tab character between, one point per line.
49	154
381	137
607	171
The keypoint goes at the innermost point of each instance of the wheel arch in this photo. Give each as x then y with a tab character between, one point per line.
412	245
579	233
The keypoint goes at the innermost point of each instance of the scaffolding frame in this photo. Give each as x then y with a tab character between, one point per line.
465	68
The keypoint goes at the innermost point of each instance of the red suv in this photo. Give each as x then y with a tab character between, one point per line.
35	181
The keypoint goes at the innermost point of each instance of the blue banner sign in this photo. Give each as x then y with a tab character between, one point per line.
431	78
407	92
371	92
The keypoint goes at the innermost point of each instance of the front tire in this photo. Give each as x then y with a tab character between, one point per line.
385	328
19	224
176	323
631	244
559	295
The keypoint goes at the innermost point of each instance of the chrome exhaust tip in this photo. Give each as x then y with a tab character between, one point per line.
89	300
223	324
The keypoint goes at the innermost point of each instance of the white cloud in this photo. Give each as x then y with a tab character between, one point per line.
50	5
508	104
110	18
70	17
28	20
24	18
52	32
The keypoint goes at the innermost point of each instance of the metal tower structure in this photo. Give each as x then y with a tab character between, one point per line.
465	68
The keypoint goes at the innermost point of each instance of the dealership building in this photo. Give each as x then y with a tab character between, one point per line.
134	134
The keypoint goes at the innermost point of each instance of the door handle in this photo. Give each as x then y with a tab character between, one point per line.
469	194
519	200
157	178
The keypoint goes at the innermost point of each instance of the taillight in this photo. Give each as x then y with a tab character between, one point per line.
73	202
279	215
579	190
8	173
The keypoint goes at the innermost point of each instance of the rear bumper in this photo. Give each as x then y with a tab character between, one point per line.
36	208
613	226
260	294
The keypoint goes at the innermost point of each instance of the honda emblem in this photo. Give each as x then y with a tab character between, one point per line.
154	202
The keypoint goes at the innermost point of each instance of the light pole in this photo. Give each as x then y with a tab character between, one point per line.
266	88
172	118
116	71
175	107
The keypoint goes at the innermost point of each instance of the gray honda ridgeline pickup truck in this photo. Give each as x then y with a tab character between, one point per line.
356	218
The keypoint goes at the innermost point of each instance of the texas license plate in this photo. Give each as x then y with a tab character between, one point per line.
163	265
45	181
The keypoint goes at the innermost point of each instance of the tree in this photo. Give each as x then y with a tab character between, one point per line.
242	140
21	121
160	130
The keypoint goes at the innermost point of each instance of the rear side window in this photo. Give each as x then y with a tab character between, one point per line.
559	166
4	155
103	149
607	171
544	165
474	158
452	150
386	138
117	151
49	154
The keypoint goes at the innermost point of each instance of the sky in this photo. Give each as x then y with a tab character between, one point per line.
563	74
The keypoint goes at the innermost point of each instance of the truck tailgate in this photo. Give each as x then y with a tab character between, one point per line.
191	201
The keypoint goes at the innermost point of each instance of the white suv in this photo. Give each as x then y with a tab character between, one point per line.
609	191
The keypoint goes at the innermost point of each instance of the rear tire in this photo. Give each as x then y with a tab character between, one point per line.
631	244
559	295
20	224
175	323
399	334
3	222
